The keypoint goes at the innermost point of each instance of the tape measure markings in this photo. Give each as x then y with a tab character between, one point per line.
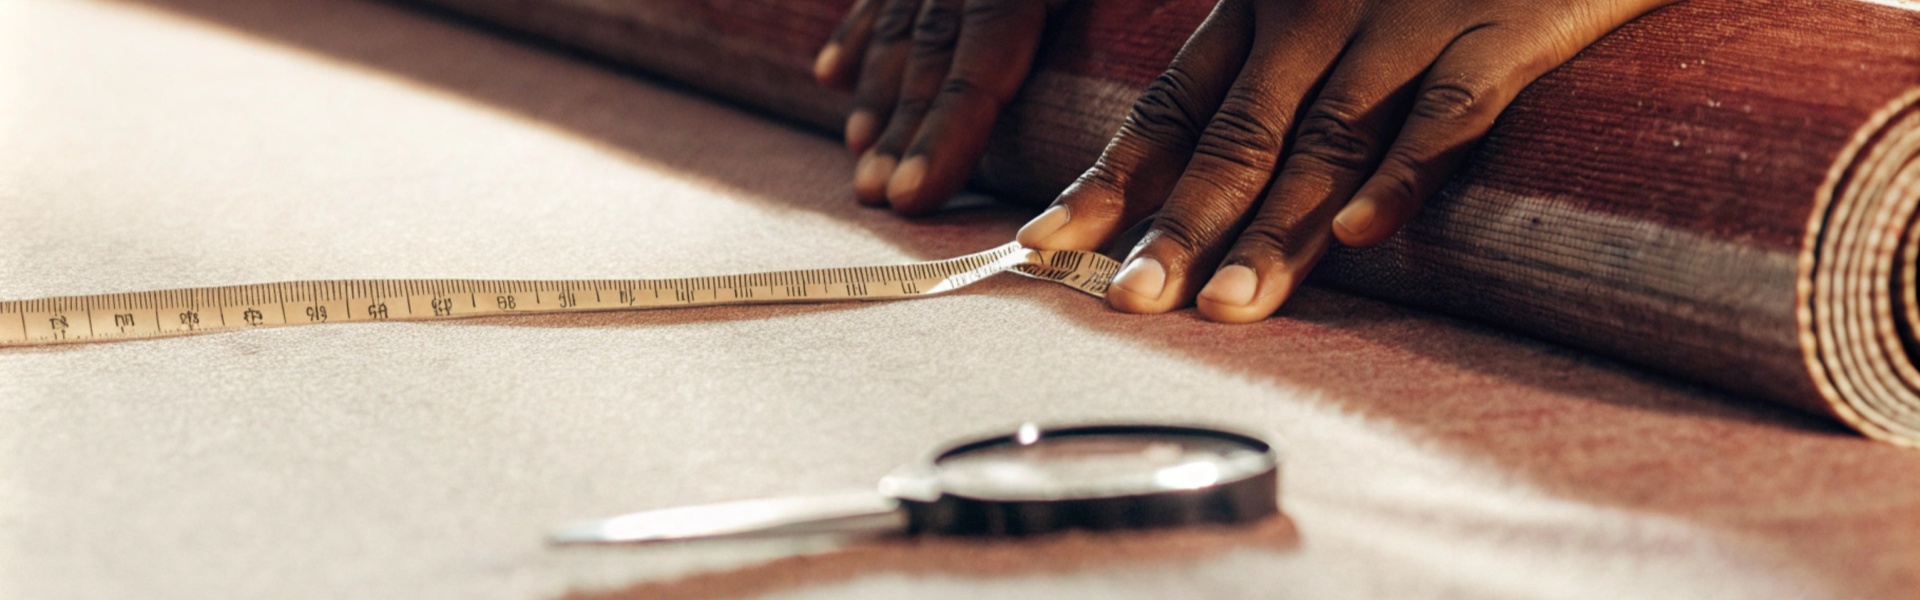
186	311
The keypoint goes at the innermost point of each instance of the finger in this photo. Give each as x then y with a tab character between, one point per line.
881	69
933	34
1337	144
1472	81
1232	163
1138	169
839	60
998	39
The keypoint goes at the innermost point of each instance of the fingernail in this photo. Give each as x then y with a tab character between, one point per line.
1044	225
870	177
906	181
860	130
1233	285
1143	277
1357	217
823	64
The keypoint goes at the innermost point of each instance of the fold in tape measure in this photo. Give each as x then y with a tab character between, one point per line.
137	315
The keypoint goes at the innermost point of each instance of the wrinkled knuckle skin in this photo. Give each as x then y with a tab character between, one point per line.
1329	134
1102	176
937	28
1178	229
1452	99
895	22
1400	170
1198	229
1097	195
1268	241
1237	137
959	88
1164	114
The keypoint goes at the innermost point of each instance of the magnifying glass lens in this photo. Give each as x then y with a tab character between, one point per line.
1096	477
1085	466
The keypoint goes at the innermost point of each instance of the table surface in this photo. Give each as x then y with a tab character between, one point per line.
169	143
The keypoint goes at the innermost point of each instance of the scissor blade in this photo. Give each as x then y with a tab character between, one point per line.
840	513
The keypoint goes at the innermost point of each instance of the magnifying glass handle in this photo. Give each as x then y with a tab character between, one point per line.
862	512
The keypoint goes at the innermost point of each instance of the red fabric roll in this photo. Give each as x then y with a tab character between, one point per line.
1725	190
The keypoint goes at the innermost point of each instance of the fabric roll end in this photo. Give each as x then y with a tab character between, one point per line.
1859	315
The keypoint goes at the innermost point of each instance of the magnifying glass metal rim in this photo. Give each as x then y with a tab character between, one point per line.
933	506
902	483
914	500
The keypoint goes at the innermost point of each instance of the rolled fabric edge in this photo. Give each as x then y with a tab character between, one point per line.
1859	322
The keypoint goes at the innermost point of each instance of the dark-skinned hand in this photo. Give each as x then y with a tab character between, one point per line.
929	78
1281	126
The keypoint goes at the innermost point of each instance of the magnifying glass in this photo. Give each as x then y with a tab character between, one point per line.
1031	481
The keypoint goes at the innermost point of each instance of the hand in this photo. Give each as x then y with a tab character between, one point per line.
1283	124
929	78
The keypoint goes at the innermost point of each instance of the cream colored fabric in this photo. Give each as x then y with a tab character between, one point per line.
204	143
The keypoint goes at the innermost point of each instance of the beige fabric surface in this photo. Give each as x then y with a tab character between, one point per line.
166	144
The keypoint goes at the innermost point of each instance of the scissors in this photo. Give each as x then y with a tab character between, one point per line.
1034	480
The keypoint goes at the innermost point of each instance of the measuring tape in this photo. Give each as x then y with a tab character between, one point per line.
137	315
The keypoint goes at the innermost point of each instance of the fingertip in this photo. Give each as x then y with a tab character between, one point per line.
1355	223
1035	233
1232	285
1089	218
1238	294
827	64
904	187
870	178
1370	219
1231	315
1362	224
862	129
1139	287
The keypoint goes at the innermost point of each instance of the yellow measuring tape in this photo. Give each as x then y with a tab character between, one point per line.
136	315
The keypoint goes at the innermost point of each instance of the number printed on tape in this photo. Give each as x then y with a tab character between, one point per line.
137	315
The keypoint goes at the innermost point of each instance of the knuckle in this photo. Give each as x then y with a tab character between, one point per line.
961	88
1193	234
937	27
1097	194
1198	226
895	21
1402	170
1329	134
1238	136
1179	229
1269	239
1165	113
1452	99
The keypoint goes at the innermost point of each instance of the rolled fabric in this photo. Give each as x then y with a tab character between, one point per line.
1724	190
